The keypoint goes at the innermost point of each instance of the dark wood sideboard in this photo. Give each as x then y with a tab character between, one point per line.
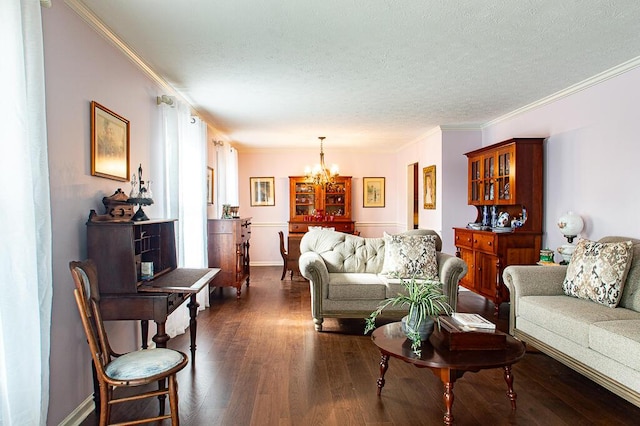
228	242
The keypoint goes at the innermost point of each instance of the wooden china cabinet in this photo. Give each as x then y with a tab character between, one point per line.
328	206
506	177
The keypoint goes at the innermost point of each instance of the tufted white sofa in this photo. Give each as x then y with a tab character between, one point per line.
343	272
599	342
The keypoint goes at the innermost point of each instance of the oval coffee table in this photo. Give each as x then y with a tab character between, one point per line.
445	364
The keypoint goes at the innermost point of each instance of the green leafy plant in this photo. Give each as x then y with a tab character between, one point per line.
424	298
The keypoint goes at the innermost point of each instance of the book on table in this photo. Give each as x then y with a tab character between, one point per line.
473	321
453	336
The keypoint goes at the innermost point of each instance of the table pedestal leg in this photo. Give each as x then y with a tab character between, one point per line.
508	377
384	364
193	324
448	377
448	403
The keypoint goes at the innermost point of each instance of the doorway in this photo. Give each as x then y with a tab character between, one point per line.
412	196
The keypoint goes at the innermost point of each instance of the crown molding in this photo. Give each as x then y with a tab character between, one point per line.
88	16
584	84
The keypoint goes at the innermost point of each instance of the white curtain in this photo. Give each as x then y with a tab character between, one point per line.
227	177
185	195
25	219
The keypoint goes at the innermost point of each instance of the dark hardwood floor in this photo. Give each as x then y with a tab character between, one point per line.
260	362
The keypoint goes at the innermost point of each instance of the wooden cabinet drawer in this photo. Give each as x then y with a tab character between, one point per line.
485	241
302	227
297	228
343	227
463	238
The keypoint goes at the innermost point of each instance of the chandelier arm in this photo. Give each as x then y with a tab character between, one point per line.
323	175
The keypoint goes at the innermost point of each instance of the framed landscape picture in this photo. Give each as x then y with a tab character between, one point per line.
109	144
429	181
262	191
373	192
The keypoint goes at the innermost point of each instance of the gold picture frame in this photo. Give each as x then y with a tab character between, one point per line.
429	185
373	192
262	191
210	192
109	144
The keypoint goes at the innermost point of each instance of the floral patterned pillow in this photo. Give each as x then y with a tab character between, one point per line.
407	256
597	271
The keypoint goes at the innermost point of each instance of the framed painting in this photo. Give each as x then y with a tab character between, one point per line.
109	144
373	192
429	181
209	185
262	191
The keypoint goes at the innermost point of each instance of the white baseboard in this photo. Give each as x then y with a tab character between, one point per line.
81	412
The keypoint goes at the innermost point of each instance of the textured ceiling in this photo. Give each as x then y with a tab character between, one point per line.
368	73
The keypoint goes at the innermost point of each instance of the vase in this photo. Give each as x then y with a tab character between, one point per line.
425	329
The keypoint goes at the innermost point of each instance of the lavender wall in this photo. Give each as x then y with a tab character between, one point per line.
80	67
591	156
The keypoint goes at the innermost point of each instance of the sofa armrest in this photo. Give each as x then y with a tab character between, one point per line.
450	270
313	268
531	280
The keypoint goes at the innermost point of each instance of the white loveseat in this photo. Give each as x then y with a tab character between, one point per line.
600	342
344	274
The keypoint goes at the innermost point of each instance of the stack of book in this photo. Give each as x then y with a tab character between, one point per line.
466	332
473	322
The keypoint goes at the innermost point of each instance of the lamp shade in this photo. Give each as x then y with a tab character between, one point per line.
570	225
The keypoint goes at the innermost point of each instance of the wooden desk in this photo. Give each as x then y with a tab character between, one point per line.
157	299
118	249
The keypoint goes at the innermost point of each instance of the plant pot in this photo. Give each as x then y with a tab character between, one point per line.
425	330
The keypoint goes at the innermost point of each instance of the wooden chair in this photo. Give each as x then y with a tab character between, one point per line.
285	258
132	369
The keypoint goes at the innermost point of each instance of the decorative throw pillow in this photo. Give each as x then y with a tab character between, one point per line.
407	256
597	271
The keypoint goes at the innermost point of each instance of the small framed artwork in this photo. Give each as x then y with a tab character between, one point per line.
262	191
373	192
109	144
209	185
429	180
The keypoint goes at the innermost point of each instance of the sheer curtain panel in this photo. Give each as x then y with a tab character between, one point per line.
25	219
227	177
185	198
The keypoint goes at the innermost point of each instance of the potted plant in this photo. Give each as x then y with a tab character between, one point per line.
426	301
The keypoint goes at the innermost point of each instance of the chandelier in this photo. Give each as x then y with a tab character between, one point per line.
320	174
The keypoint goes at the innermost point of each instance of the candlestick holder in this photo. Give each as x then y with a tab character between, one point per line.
140	196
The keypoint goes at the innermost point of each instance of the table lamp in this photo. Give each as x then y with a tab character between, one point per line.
570	225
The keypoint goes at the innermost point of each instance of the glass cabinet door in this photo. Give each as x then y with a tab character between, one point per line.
305	199
475	181
335	199
504	178
489	181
